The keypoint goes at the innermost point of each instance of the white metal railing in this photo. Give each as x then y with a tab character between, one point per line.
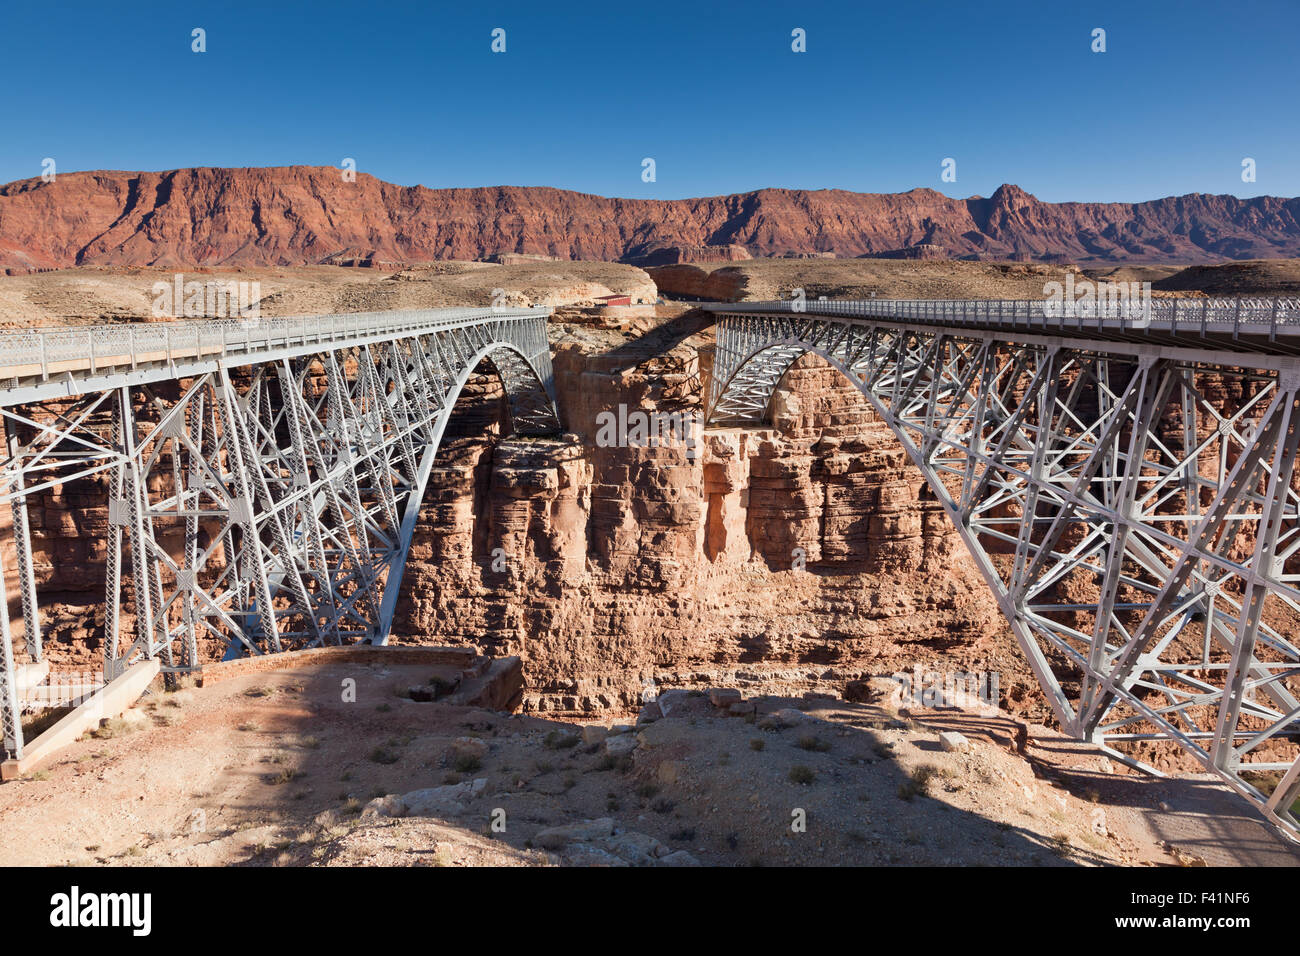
1253	316
105	344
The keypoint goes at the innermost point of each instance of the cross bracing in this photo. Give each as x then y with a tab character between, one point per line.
262	479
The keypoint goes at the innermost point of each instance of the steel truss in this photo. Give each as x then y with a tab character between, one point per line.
1133	508
264	498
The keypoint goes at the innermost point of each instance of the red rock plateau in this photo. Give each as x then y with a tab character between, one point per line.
304	215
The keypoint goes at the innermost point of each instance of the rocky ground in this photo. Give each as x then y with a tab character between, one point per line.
278	768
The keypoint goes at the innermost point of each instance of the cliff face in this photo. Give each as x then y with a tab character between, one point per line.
303	215
795	557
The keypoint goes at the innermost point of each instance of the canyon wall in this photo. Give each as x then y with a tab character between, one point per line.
301	215
794	557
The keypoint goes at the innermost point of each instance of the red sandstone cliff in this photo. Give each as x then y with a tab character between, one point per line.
302	215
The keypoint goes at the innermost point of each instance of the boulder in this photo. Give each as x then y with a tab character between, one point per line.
725	696
953	742
391	805
435	801
620	745
639	849
585	831
670	700
584	854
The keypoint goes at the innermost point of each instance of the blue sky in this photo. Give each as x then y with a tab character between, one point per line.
711	91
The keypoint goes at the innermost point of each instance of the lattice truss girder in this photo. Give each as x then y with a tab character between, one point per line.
262	507
1136	516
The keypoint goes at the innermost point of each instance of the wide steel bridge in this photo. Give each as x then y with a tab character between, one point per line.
1124	478
261	478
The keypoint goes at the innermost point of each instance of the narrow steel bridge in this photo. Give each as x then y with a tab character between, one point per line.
1123	479
261	478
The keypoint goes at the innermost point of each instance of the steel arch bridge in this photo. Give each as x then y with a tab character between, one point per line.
1125	482
261	478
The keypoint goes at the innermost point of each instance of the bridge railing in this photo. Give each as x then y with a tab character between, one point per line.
1250	315
102	345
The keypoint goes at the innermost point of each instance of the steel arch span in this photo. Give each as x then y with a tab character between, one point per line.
1126	486
261	480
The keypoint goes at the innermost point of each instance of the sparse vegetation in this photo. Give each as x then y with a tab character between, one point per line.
466	763
918	784
802	775
557	740
114	728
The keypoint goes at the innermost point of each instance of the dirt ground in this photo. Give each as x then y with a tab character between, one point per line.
100	295
278	768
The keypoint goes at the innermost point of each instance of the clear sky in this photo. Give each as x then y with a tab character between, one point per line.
710	90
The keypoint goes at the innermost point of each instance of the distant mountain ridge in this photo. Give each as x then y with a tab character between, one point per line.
303	215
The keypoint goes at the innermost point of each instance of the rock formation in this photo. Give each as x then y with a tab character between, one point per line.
794	557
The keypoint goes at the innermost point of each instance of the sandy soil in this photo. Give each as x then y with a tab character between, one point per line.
278	769
94	295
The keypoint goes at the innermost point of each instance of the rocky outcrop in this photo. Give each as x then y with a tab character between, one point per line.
662	255
791	557
300	215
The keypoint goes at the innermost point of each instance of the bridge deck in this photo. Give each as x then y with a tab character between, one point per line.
1270	326
42	363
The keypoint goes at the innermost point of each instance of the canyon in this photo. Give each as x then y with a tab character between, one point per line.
803	556
308	215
